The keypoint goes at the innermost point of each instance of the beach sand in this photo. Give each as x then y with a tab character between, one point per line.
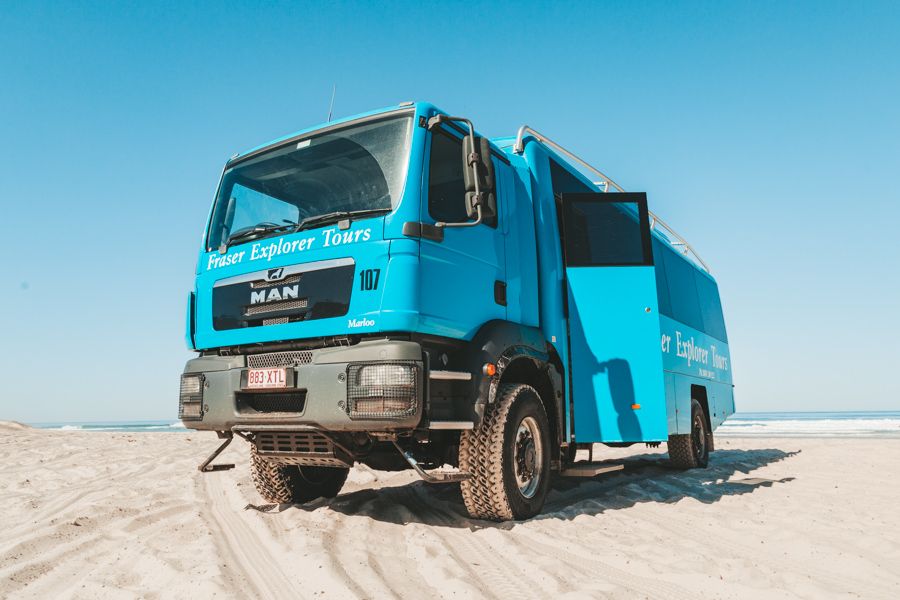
93	515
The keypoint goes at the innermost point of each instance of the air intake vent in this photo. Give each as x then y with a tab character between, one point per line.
279	359
286	402
258	309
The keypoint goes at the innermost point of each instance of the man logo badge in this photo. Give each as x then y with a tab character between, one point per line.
275	274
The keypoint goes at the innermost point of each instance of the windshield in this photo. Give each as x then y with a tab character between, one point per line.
358	168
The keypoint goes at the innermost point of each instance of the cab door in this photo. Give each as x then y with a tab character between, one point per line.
616	371
463	268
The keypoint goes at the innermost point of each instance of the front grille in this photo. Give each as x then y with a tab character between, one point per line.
277	321
290	402
279	359
267	284
321	293
257	309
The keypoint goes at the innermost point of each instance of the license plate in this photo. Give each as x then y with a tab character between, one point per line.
266	378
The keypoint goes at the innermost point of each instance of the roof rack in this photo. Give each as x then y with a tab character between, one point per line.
673	237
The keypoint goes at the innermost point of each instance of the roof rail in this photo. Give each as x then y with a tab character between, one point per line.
606	182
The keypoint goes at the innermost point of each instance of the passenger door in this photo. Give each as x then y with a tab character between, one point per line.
462	269
616	370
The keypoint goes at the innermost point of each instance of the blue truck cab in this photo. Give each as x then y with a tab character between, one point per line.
396	290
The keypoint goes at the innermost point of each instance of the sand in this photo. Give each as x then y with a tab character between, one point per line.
96	515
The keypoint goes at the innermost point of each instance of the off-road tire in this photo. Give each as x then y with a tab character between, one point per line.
487	453
291	484
686	451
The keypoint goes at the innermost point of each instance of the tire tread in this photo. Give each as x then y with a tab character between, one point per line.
481	454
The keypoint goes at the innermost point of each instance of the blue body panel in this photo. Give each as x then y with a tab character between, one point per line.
691	357
618	355
617	383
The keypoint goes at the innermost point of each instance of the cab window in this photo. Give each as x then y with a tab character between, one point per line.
446	186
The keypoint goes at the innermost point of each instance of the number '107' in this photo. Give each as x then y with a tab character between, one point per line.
368	279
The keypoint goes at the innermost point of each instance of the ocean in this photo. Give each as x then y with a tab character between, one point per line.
813	424
121	426
768	424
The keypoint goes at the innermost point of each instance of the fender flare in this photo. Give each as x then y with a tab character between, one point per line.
501	343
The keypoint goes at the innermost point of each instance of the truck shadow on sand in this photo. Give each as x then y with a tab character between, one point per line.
646	478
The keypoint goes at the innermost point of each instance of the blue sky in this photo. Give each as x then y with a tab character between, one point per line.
767	133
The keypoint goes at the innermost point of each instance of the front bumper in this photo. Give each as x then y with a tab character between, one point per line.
324	377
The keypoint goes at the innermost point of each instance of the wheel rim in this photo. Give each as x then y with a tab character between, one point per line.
528	457
698	437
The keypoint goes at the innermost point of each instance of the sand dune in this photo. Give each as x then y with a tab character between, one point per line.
89	515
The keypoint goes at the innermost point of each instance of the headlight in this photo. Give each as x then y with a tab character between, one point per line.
382	390
190	400
376	377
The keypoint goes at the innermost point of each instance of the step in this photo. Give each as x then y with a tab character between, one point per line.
591	469
450	375
451	425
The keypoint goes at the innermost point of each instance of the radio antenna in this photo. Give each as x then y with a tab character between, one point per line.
331	106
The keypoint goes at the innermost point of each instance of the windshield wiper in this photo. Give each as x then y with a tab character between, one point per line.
255	231
338	215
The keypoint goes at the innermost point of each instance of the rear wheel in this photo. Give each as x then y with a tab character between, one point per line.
691	450
292	484
508	455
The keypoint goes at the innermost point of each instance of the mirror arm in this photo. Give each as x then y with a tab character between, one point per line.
477	221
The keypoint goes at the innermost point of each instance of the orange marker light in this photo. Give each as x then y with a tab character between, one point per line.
635	406
489	369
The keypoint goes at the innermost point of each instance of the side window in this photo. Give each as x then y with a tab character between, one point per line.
564	182
710	306
603	232
446	188
684	303
600	229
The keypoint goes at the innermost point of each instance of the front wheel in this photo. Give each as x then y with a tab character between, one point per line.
292	484
508	455
689	451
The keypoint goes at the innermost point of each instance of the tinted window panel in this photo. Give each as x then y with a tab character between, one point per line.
710	306
446	187
682	291
603	233
564	182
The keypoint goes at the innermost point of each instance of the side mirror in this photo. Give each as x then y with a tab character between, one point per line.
478	174
479	159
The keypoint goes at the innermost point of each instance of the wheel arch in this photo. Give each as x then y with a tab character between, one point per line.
698	393
540	376
521	355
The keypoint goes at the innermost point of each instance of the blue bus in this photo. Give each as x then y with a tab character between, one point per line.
396	290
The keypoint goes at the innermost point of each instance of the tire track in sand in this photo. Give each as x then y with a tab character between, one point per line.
500	578
243	548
